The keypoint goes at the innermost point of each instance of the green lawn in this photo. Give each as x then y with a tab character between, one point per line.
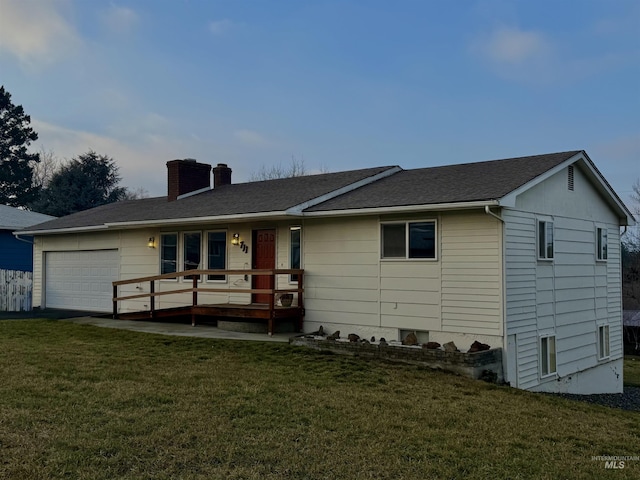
632	371
95	403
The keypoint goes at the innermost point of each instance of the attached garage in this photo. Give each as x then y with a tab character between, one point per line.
80	280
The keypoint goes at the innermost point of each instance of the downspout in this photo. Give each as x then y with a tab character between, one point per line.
505	343
488	211
17	235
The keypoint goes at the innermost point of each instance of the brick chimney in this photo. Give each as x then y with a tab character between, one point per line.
221	175
186	176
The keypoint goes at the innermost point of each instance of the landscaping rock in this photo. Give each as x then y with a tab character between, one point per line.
373	339
364	341
450	347
353	337
431	345
334	336
410	339
478	347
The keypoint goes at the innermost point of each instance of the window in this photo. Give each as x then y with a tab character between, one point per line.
294	250
601	243
168	253
409	240
603	341
547	356
216	253
545	240
191	252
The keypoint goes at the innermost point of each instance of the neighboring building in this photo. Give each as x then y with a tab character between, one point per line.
16	258
16	253
522	254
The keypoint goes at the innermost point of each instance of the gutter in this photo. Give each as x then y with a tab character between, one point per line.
404	209
92	228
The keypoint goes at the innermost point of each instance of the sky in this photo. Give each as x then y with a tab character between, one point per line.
339	85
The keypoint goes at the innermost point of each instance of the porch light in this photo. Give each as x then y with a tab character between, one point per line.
152	242
235	240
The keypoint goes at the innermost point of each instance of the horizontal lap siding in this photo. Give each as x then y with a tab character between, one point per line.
410	294
342	271
471	263
568	296
521	284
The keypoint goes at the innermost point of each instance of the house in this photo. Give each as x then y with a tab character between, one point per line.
16	258
521	254
16	253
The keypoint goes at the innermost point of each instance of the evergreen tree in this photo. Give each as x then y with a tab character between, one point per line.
16	185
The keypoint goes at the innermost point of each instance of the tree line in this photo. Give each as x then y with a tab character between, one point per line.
40	182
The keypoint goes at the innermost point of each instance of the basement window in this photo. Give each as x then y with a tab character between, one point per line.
603	342
409	240
547	356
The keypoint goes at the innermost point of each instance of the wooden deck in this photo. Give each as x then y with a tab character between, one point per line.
268	312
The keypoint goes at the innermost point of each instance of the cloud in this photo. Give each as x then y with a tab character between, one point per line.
120	19
253	139
35	31
507	45
220	27
141	160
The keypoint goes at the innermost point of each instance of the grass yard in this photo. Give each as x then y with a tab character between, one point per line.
95	403
632	370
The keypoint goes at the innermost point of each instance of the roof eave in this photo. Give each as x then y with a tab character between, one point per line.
404	209
600	183
54	231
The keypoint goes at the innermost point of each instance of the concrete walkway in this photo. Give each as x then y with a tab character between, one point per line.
179	329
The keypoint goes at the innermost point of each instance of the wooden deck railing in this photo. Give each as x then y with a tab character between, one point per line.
196	275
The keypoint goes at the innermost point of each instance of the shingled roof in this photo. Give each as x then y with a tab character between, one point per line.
466	182
371	188
227	200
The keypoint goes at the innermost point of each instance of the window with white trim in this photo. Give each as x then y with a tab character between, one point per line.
545	240
601	244
216	254
547	355
168	253
409	240
295	250
603	342
191	252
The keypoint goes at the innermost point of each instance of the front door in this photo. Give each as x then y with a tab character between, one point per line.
264	257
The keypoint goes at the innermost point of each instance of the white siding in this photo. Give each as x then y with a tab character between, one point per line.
570	295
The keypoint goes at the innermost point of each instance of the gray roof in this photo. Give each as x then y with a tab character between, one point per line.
12	218
235	199
466	182
469	182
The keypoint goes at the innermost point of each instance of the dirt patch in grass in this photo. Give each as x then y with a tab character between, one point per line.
82	402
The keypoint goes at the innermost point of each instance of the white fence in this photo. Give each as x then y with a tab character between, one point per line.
15	291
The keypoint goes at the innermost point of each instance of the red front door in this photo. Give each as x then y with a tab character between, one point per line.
264	257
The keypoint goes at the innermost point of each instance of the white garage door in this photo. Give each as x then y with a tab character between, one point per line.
80	280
